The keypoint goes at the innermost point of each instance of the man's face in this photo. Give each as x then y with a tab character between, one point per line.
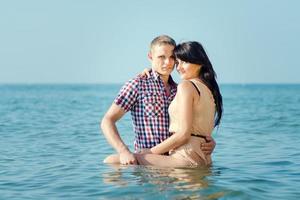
162	59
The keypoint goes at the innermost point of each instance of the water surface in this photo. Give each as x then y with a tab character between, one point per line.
51	147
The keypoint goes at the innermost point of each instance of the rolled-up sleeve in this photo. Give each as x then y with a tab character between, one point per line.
127	96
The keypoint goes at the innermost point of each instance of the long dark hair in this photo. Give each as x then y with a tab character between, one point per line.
193	52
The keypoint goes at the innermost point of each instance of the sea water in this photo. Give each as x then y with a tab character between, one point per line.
51	147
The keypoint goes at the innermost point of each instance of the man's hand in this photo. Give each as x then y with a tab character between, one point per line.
209	146
127	158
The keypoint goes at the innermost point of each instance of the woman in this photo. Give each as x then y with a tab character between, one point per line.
194	112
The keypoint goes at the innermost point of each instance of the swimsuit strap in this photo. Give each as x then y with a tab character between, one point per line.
196	87
201	136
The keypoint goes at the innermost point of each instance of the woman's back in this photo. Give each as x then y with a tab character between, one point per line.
203	112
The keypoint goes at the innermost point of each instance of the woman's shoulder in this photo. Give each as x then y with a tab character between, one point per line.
185	86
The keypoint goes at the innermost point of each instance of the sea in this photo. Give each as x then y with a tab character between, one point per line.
51	147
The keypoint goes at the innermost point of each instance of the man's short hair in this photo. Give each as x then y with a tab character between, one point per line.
162	39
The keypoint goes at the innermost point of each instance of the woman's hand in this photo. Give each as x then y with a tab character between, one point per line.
146	72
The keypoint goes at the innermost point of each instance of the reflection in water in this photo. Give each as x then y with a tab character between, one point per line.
115	176
181	183
192	179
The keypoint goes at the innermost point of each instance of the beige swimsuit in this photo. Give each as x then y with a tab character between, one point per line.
202	125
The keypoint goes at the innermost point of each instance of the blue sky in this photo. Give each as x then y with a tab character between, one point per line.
72	41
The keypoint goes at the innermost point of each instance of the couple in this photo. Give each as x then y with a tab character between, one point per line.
172	123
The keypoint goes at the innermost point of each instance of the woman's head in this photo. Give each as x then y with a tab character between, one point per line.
193	62
191	52
190	57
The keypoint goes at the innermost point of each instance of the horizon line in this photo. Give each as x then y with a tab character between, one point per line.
120	83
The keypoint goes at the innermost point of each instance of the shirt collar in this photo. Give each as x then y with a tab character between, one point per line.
157	76
154	74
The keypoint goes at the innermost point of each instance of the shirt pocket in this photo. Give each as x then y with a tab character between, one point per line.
153	105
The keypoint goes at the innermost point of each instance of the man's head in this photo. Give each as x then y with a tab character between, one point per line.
161	55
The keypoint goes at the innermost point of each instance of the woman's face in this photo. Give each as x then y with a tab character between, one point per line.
187	70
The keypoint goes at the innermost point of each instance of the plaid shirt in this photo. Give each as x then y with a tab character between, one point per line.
147	100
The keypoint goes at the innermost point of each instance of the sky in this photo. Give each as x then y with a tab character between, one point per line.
107	41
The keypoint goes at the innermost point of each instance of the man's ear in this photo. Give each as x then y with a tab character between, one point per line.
150	55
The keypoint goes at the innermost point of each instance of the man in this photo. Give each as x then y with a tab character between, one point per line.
148	99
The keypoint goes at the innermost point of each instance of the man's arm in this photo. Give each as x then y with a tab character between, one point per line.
110	131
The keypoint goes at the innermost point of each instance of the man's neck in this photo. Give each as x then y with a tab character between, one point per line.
165	79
